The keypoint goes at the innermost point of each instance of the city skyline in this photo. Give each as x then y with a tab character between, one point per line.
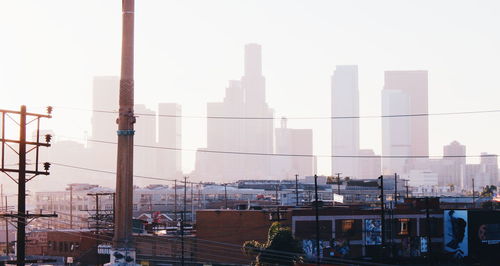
445	76
249	132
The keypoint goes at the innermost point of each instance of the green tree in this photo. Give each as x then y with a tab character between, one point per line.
279	249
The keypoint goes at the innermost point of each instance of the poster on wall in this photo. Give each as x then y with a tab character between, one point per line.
309	247
489	233
456	233
373	229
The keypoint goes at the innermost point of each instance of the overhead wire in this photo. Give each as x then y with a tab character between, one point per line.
104	237
291	155
292	117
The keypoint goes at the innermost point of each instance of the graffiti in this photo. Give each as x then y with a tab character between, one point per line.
373	229
331	248
455	232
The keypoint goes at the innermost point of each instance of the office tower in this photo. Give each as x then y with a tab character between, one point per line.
104	98
489	169
258	133
169	160
405	92
345	132
105	105
415	85
396	132
253	82
293	141
454	167
145	135
245	99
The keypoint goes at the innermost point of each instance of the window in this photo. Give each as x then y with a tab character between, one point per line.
348	228
404	229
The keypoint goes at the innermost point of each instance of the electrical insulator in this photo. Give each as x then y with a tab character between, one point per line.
48	138
46	166
49	110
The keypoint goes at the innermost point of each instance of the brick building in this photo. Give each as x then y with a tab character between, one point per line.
220	234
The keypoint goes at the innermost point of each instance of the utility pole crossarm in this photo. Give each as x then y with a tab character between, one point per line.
22	216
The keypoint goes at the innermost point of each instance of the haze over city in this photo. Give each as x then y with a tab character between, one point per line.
188	50
223	132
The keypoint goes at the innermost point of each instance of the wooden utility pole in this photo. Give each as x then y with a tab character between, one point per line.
382	211
22	216
297	190
316	212
122	241
225	194
338	182
175	200
7	245
71	206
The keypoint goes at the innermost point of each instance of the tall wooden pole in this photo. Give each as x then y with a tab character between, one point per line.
21	197
124	172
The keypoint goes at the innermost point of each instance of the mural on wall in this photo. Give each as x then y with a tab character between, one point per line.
331	248
456	233
373	231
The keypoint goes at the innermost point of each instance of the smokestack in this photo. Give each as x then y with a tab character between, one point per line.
123	248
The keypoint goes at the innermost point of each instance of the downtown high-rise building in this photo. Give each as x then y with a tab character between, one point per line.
406	137
104	103
345	131
454	162
169	156
151	130
293	141
105	93
239	139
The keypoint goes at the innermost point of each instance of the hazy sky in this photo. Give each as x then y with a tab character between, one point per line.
187	50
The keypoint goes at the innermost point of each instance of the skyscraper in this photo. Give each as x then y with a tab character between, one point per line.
145	135
396	131
415	85
345	132
258	133
246	99
455	166
293	141
405	92
169	161
104	94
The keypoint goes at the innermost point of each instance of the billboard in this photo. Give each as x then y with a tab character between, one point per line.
456	233
338	198
373	229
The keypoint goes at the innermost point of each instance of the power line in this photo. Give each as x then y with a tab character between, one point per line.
292	117
297	155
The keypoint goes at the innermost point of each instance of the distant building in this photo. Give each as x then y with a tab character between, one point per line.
297	142
145	135
345	132
105	93
245	99
420	178
73	206
454	162
404	93
369	164
396	138
484	174
169	160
